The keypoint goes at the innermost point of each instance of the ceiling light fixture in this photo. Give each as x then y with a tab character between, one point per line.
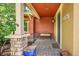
46	8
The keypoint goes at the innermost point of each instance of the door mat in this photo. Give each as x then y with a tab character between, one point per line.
54	45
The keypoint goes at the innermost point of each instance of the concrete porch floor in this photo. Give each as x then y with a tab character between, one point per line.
46	47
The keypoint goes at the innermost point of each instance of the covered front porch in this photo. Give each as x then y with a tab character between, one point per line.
39	29
52	28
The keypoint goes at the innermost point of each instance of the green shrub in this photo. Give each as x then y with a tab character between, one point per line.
7	20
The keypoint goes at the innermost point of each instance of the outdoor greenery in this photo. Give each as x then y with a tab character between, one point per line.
7	20
7	23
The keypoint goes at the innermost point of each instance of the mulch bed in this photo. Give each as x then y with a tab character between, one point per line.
6	50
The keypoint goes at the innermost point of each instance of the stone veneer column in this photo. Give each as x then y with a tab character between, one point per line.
18	40
17	45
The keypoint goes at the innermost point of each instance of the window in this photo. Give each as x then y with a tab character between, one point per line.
27	12
26	26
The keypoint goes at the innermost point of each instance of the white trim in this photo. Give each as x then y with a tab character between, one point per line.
59	10
19	18
34	12
61	29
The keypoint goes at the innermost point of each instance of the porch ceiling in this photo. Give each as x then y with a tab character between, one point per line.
46	9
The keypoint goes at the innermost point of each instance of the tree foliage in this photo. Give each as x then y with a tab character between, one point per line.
7	20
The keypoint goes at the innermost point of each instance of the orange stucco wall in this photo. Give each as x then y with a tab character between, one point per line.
45	24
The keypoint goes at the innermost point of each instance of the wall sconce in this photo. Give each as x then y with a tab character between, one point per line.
53	21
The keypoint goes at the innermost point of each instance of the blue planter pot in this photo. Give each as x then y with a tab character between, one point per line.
30	53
